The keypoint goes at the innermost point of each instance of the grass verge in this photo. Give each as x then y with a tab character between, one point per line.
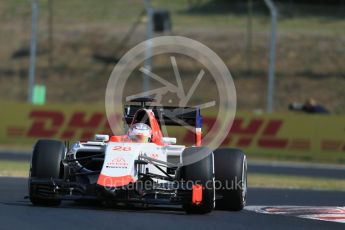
295	182
14	169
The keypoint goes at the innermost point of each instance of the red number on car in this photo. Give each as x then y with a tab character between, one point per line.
122	148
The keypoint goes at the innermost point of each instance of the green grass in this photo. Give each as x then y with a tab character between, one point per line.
21	169
124	13
295	182
305	157
14	169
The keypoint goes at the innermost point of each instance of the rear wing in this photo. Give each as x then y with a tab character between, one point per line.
168	115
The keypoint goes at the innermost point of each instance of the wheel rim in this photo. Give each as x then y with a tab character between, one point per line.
244	180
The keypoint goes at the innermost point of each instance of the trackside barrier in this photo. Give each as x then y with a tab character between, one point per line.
296	135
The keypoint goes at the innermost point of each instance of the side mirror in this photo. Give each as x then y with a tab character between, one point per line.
169	140
101	137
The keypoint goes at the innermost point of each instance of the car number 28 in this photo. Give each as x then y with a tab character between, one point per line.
122	148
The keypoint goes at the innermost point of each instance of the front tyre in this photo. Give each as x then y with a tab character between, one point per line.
201	173
45	164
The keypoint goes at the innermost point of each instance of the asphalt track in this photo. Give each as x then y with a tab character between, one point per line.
18	213
292	169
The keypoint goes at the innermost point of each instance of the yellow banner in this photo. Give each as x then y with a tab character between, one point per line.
297	135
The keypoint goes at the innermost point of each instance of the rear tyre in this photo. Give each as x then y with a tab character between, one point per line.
231	176
201	173
45	164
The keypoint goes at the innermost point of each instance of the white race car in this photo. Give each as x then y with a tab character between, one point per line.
117	169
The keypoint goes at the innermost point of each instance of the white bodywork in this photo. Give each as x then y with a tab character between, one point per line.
120	157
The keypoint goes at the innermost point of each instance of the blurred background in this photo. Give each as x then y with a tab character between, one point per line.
79	42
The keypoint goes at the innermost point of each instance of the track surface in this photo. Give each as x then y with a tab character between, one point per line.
18	213
295	169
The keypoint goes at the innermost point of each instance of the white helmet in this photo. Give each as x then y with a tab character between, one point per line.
140	132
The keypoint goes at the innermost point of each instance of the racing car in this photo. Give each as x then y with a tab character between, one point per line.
141	167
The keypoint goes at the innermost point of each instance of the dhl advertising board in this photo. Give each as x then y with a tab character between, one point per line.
298	135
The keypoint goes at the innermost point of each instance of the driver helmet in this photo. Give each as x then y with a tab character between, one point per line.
140	132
